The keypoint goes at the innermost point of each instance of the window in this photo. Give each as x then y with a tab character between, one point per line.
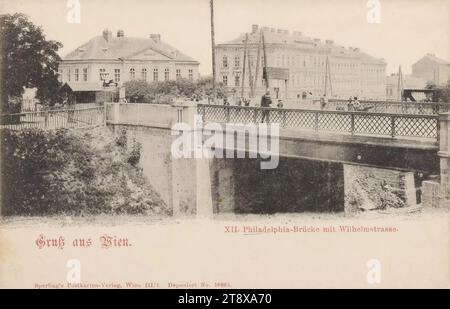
117	75
166	74
155	75
132	73
77	75
225	62
85	74
68	75
225	80
178	73
102	74
191	74
236	81
144	74
237	61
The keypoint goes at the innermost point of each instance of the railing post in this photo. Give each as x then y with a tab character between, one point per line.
444	158
227	111
316	121
352	124
46	119
392	126
283	121
255	115
104	114
203	113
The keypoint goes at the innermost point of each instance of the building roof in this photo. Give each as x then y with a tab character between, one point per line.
298	39
433	58
84	86
114	48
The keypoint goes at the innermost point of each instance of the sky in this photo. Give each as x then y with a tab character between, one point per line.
408	29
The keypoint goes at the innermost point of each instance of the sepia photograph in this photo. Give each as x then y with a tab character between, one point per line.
224	144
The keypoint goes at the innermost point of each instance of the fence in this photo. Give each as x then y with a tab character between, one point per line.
361	123
54	119
393	107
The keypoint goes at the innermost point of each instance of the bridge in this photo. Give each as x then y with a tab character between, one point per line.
404	143
396	146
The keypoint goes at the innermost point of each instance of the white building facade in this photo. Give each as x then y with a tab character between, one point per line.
115	60
349	72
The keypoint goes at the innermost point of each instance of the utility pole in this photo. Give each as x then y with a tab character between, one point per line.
400	84
243	64
328	77
258	59
265	74
250	77
213	50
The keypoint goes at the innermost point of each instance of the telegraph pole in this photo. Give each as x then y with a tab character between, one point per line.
258	58
265	73
243	65
400	84
213	50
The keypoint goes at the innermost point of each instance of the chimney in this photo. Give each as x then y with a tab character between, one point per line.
155	37
255	28
120	33
107	35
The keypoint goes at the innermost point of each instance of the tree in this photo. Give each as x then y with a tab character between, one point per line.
27	60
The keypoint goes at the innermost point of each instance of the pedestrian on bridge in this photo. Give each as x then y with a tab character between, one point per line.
280	103
350	105
265	102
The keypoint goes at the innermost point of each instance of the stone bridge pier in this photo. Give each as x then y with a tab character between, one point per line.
436	192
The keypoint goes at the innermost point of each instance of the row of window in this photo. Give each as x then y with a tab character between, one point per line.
144	74
316	80
77	73
82	75
237	61
296	61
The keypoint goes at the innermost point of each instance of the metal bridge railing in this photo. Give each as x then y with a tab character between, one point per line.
392	107
358	123
54	119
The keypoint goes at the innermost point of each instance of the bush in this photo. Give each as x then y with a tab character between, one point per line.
139	91
72	173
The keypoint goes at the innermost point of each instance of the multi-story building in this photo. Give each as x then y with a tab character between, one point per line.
393	91
108	60
309	65
432	69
